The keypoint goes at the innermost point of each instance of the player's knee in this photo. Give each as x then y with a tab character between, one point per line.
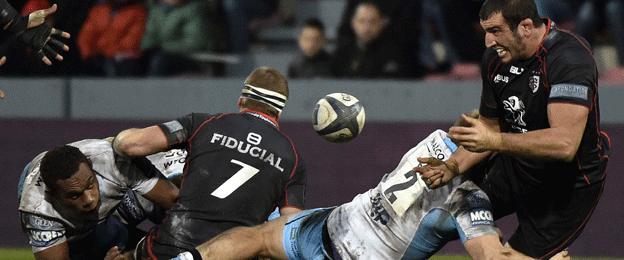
271	237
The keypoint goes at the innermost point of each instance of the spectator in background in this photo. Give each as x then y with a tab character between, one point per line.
560	11
312	60
175	30
433	24
110	39
595	14
404	26
239	15
372	53
461	36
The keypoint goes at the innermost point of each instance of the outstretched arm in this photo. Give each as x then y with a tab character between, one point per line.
164	194
140	142
34	32
436	173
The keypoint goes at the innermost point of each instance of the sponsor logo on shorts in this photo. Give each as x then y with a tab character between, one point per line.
481	217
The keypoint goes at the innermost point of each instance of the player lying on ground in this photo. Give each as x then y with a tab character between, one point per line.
399	219
68	195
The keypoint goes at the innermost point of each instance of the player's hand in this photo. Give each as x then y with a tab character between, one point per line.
436	173
116	254
41	37
474	135
113	254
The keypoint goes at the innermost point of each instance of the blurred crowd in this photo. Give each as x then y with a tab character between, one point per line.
427	39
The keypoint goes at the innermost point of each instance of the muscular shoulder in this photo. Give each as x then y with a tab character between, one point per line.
93	147
570	55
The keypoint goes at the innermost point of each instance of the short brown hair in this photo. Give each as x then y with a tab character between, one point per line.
514	11
266	78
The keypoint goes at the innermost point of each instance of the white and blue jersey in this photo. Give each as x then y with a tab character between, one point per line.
47	225
399	219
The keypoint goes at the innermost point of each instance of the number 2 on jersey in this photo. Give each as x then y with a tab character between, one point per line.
237	180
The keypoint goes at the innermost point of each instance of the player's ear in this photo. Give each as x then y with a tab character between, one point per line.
525	27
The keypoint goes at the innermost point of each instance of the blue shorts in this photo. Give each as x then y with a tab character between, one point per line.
303	235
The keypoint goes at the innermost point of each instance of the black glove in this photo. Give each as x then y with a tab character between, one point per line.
39	40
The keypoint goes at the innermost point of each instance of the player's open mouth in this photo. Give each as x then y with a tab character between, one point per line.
501	51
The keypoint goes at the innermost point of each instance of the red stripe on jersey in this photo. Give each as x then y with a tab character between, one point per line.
292	172
544	69
150	253
607	136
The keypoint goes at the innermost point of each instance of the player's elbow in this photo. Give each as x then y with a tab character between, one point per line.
126	143
567	152
171	198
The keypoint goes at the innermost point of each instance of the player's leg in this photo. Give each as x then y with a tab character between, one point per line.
246	242
551	220
490	247
475	223
303	239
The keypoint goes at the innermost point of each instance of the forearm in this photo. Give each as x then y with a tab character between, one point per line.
549	143
466	160
140	142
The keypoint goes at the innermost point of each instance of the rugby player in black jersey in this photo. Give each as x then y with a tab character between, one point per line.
239	167
539	126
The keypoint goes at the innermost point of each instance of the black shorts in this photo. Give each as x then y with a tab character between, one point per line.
551	215
148	249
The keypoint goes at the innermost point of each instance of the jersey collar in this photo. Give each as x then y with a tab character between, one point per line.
262	116
549	37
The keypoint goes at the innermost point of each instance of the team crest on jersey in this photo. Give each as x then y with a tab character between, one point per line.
534	82
515	111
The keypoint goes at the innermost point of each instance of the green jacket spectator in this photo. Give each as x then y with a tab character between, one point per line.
178	26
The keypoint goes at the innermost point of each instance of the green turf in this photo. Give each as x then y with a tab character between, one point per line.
26	254
16	254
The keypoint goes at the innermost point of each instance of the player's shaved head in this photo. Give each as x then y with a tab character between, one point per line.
268	78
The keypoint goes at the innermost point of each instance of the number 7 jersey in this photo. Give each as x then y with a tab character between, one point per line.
403	219
239	167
